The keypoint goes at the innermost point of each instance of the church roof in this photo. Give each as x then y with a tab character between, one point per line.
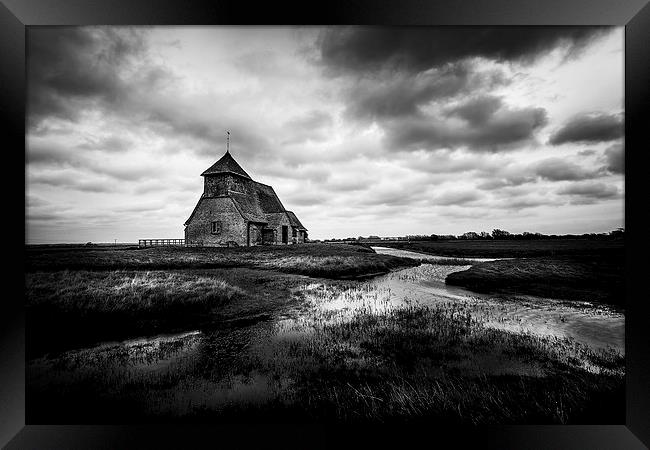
293	220
249	207
257	203
226	164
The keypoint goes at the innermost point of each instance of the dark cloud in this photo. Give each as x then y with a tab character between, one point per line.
402	94
126	172
65	180
589	191
45	216
456	198
558	169
416	49
477	111
42	153
33	201
549	169
75	68
142	207
615	157
492	129
524	203
504	182
590	128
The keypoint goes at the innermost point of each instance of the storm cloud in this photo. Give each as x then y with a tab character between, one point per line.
417	84
70	69
590	190
398	95
416	49
490	128
615	158
589	128
557	169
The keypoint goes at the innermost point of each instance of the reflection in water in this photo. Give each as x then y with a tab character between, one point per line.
424	256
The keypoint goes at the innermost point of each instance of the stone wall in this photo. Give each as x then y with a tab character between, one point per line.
216	185
299	238
277	221
233	227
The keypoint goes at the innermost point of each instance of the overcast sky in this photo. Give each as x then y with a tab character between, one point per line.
362	130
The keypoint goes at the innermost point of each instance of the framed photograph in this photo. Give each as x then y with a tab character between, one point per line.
373	223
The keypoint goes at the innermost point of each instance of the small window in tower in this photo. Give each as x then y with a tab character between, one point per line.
216	227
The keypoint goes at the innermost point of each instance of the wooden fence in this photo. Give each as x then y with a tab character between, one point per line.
161	242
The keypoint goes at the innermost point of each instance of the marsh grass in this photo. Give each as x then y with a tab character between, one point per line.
65	309
319	260
130	292
571	278
515	248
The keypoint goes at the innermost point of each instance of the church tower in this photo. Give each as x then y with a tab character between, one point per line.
224	176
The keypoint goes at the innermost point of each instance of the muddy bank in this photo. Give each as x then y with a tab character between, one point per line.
572	278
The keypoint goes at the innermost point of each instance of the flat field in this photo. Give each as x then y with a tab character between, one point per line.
493	248
319	260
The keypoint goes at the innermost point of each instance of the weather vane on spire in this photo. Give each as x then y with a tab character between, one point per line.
228	142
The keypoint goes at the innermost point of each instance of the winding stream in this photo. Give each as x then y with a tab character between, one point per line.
596	325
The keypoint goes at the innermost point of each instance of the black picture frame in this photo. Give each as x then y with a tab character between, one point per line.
16	15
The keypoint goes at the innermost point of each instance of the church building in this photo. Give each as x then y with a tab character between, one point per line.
235	210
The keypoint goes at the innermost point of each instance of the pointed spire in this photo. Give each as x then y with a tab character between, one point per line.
226	164
228	142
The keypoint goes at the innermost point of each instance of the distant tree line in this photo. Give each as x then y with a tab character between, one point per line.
496	234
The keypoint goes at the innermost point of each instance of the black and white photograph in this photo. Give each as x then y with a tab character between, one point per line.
325	224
